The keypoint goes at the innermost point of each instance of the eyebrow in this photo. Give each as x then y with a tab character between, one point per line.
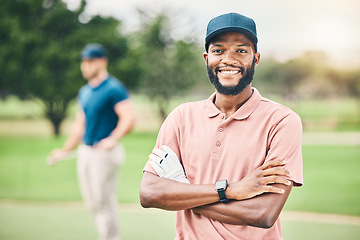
240	45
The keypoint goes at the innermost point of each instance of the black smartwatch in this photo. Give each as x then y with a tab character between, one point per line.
220	187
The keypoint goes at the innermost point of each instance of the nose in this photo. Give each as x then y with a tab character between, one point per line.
228	58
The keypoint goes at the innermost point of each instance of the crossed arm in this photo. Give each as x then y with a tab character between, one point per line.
256	200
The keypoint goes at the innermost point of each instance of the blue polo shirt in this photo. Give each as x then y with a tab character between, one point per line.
98	105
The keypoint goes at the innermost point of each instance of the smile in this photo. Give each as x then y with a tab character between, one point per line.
229	72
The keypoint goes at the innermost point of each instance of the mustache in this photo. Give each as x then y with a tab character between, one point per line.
242	69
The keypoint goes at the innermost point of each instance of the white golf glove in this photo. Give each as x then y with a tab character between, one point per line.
167	165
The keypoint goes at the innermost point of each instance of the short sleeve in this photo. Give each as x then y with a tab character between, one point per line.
285	144
118	93
169	135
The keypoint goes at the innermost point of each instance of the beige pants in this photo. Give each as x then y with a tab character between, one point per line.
97	172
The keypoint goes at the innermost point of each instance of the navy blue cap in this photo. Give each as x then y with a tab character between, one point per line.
93	50
231	22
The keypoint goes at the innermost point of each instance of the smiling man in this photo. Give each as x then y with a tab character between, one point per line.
226	164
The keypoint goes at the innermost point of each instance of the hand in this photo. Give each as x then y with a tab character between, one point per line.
107	143
57	155
167	165
260	181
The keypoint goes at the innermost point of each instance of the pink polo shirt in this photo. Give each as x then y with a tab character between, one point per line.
212	148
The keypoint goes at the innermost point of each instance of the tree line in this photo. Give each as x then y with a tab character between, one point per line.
40	43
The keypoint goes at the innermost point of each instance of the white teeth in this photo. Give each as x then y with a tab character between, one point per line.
229	72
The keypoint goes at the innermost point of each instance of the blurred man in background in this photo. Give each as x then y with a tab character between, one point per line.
226	164
105	115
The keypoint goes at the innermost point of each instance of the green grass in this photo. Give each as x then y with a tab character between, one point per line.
33	221
329	114
331	186
298	230
331	174
24	175
331	181
67	222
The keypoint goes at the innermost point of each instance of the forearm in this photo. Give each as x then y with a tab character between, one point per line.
72	141
127	117
76	132
167	194
260	211
123	127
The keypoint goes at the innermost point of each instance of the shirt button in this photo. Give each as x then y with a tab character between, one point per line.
221	129
218	143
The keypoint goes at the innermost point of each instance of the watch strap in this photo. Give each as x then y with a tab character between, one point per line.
221	186
222	195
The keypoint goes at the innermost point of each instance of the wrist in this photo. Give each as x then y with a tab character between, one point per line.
113	138
221	187
228	192
66	149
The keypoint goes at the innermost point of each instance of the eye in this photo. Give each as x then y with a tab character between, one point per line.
241	50
217	51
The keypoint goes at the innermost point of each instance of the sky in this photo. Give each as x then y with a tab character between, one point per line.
286	28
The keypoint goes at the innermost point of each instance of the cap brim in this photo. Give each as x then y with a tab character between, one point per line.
244	31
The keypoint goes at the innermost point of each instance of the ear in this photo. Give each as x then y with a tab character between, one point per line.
104	62
205	56
257	58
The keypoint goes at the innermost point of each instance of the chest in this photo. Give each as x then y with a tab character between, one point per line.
95	101
215	149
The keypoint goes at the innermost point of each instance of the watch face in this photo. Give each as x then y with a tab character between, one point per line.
220	185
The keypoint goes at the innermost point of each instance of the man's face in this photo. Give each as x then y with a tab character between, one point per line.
231	62
90	68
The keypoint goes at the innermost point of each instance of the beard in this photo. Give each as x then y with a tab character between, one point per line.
245	80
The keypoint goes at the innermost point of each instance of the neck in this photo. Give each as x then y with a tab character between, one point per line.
98	79
229	104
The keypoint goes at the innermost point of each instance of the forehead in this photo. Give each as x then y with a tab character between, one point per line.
91	60
232	38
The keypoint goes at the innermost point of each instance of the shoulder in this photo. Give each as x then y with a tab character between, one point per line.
116	87
84	90
190	108
278	112
185	113
114	82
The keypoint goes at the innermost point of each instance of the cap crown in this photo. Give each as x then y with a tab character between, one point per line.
93	50
231	22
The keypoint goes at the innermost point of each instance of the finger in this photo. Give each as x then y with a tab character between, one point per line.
157	168
276	179
159	152
182	180
50	161
276	171
273	163
169	151
159	161
155	158
273	189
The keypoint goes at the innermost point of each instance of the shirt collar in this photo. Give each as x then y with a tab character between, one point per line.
242	113
100	84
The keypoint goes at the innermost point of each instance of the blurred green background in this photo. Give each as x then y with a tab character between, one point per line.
39	46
